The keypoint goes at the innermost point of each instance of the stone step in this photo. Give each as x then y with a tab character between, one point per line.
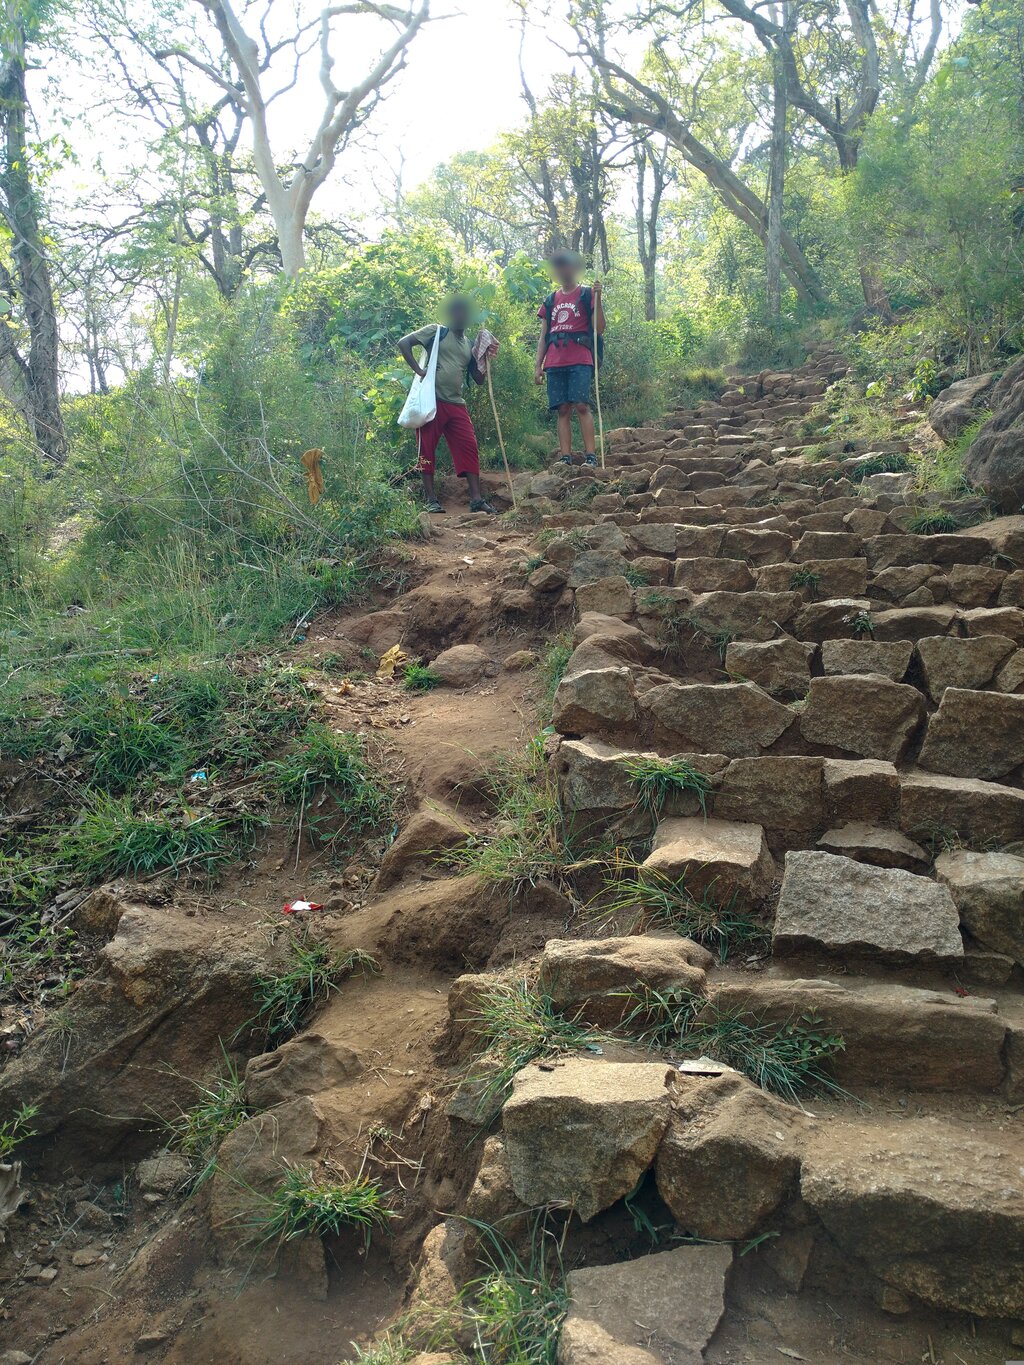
933	1207
895	1036
834	908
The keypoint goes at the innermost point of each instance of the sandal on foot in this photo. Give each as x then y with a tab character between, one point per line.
565	459
482	505
433	506
591	459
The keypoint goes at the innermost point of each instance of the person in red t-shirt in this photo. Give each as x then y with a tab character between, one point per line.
565	352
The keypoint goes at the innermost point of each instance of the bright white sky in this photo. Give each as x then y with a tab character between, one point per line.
459	90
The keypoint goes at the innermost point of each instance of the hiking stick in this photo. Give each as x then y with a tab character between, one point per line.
597	385
501	439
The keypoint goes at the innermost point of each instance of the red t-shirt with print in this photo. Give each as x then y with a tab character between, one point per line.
567	315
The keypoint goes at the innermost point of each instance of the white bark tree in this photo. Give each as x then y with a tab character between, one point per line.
250	52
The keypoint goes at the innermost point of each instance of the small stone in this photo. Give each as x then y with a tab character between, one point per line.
521	660
149	1341
461	666
86	1256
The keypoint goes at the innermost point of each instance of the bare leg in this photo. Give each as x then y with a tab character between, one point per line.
586	421
473	484
428	487
565	429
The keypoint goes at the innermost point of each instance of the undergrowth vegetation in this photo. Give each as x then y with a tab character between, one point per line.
310	974
530	839
178	770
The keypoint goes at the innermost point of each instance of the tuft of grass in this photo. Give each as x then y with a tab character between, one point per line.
112	838
552	669
933	523
324	763
719	640
878	464
530	840
286	1000
786	1059
806	578
197	1132
417	678
516	1025
18	1128
310	1203
636	578
510	1315
656	780
579	499
663	902
514	1313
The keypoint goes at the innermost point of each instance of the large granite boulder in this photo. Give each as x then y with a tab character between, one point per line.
995	461
956	407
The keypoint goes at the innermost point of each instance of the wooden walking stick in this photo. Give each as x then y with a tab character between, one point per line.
597	382
487	338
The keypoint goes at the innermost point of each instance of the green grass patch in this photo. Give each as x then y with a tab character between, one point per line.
516	1025
512	1314
530	840
113	838
287	999
657	780
894	463
553	664
310	1203
661	901
416	678
933	523
806	578
323	763
787	1059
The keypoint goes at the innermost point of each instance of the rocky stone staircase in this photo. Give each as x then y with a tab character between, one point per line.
852	695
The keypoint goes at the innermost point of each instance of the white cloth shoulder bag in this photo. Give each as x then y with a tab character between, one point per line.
421	404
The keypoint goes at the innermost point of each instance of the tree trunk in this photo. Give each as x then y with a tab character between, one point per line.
776	189
31	378
647	224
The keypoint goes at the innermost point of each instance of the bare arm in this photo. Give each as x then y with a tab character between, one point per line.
542	346
405	350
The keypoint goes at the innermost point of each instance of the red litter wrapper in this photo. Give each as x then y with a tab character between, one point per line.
296	907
